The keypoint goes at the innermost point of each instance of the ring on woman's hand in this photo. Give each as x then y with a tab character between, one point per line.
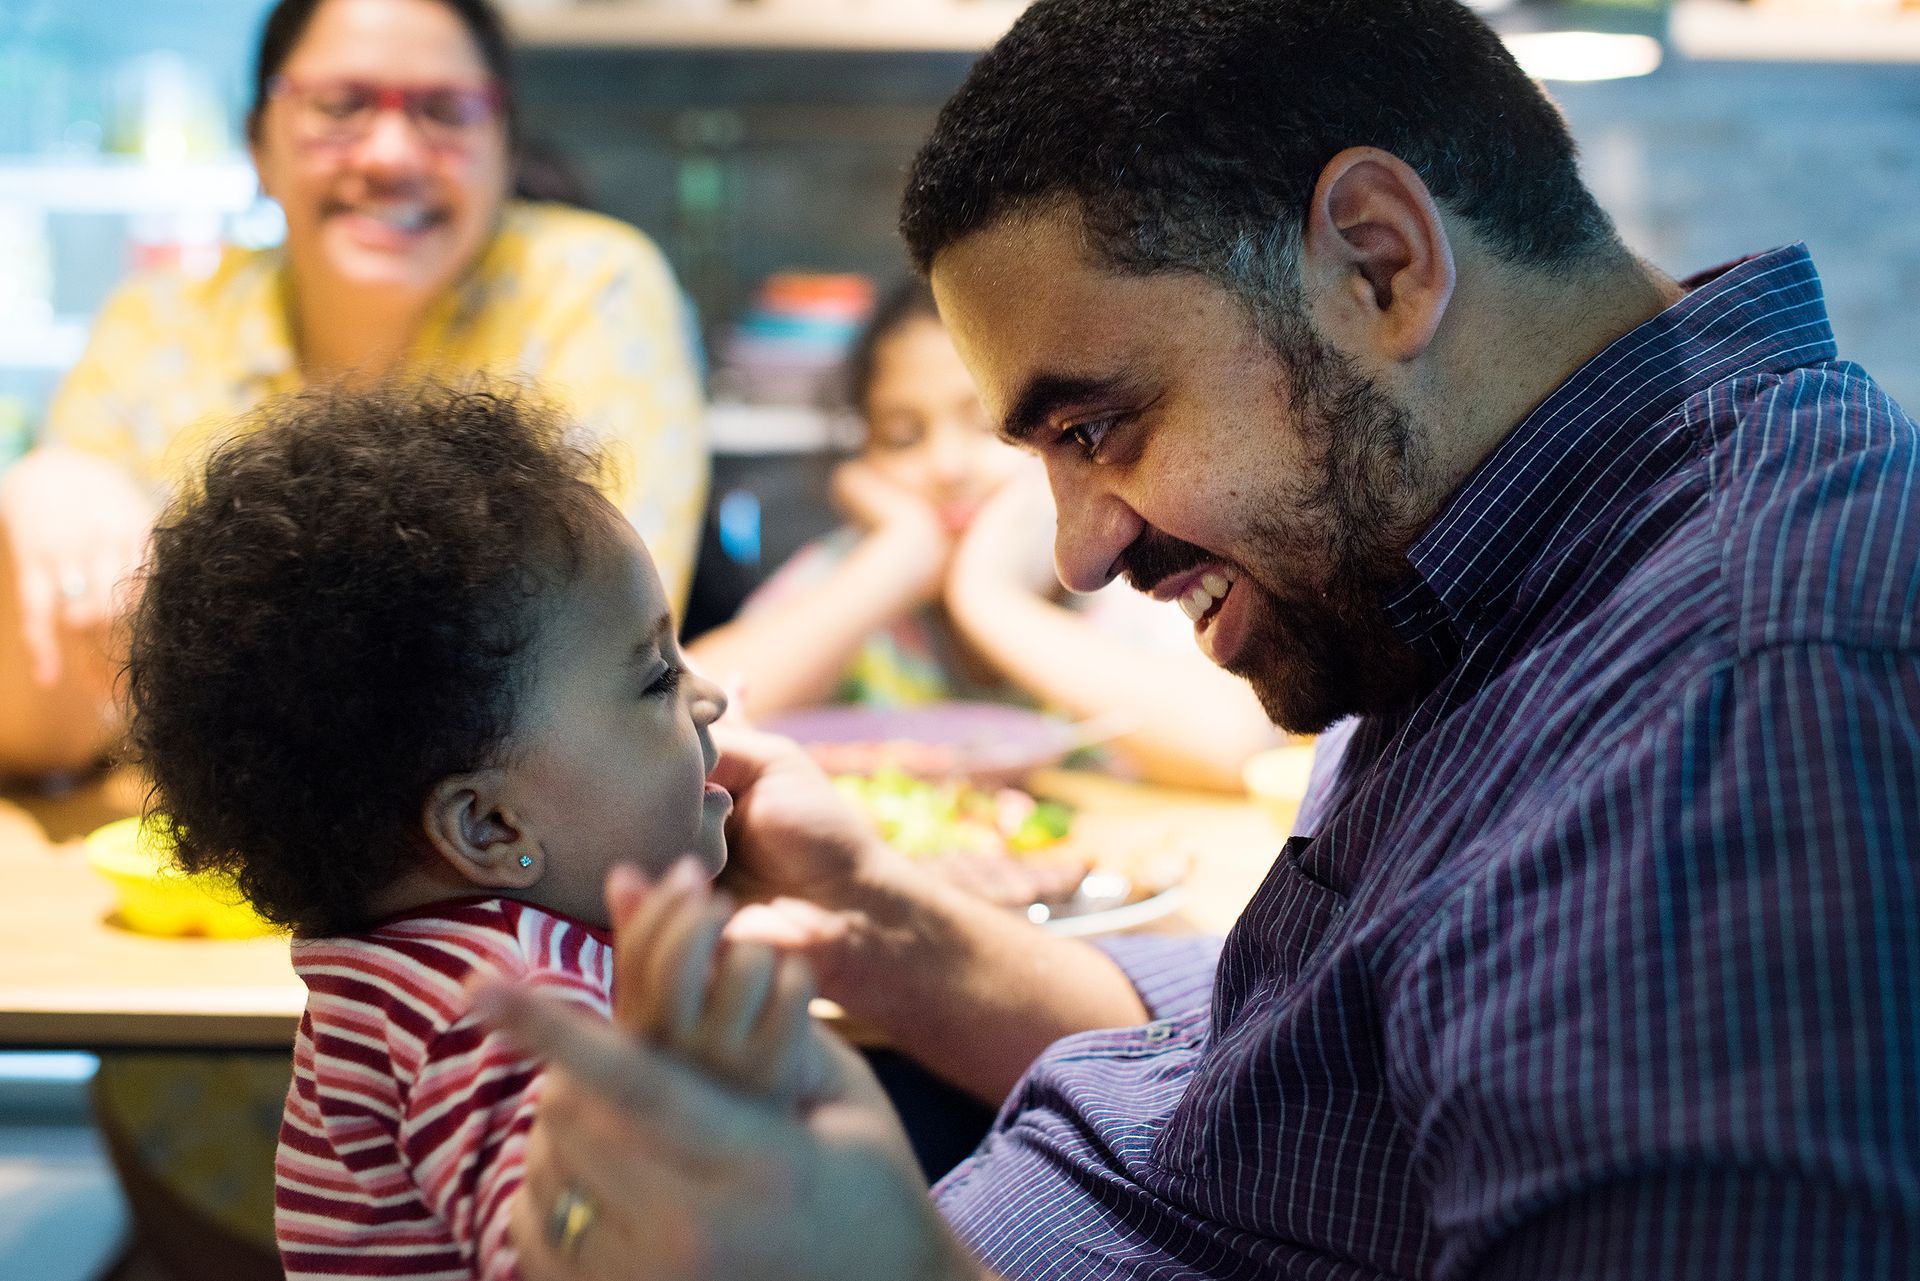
73	584
568	1221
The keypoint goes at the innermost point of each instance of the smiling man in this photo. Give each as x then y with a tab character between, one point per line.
1597	951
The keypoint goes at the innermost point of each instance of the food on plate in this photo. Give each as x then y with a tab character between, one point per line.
898	756
987	742
1001	844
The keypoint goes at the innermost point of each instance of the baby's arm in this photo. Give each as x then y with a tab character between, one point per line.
738	1009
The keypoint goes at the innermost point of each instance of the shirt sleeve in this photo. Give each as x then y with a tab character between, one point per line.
91	412
620	357
463	1130
1728	1036
1173	973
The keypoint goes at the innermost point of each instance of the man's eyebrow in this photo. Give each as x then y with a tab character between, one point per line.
1043	397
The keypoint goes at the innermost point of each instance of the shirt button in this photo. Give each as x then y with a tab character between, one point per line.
1158	1032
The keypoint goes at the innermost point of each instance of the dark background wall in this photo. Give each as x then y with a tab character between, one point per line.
747	163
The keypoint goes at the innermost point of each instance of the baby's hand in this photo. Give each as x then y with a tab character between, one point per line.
737	1009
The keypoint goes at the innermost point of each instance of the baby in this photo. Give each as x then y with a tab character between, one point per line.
403	672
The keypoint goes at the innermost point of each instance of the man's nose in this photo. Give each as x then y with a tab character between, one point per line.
1093	529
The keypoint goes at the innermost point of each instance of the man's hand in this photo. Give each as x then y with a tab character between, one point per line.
78	529
737	1009
790	833
687	1180
798	852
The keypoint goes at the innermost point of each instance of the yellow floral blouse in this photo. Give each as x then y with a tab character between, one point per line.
580	306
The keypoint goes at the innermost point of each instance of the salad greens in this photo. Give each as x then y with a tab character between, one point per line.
925	819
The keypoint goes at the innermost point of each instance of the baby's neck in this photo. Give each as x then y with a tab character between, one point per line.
424	883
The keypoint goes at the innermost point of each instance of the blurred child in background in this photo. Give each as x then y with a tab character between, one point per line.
941	585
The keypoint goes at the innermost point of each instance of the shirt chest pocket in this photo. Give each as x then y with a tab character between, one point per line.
1254	1086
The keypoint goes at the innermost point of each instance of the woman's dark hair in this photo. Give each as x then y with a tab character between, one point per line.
910	300
332	622
1189	134
288	21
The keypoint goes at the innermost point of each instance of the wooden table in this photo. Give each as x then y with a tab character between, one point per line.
71	978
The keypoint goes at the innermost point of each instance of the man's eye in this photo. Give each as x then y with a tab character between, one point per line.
666	682
1086	437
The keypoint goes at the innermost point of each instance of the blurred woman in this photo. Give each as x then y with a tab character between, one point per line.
941	585
384	129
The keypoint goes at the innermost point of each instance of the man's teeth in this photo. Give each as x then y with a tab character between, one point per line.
1205	594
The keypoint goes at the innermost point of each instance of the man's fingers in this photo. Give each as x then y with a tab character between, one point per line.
693	973
741	983
671	1103
652	972
627	888
640	949
745	753
616	1245
784	1020
786	924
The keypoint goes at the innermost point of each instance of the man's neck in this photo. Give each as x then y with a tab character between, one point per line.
1519	336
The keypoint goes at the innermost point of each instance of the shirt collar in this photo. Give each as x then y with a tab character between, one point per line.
1576	453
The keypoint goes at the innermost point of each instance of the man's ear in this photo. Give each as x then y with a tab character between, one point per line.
470	823
1376	261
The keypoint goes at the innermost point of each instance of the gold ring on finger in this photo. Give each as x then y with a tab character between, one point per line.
568	1221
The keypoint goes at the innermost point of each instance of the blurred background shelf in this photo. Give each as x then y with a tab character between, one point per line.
880	26
1836	31
52	345
127	185
1832	31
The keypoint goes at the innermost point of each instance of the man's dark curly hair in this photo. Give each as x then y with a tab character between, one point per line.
1189	134
330	625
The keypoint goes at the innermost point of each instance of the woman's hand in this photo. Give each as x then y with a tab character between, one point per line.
78	528
1008	545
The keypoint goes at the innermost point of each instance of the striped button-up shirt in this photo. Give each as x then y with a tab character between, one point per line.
1601	959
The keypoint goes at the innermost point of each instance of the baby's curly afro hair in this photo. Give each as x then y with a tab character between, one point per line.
330	625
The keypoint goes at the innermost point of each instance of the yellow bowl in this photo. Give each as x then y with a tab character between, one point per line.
158	898
1277	779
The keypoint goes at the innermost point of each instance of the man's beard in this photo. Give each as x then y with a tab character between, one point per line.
1320	652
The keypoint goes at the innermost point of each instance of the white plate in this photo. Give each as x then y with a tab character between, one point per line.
1101	907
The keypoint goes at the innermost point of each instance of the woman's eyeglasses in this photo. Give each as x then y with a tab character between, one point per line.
342	112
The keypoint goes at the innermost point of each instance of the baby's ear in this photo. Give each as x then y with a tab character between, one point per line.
470	824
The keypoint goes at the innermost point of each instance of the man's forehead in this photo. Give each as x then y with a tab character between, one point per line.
1021	299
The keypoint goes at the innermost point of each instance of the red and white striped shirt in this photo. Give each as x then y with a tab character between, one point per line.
405	1129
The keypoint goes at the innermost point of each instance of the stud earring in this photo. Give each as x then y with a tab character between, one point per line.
526	860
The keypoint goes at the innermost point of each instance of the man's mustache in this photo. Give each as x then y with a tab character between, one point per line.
1153	557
